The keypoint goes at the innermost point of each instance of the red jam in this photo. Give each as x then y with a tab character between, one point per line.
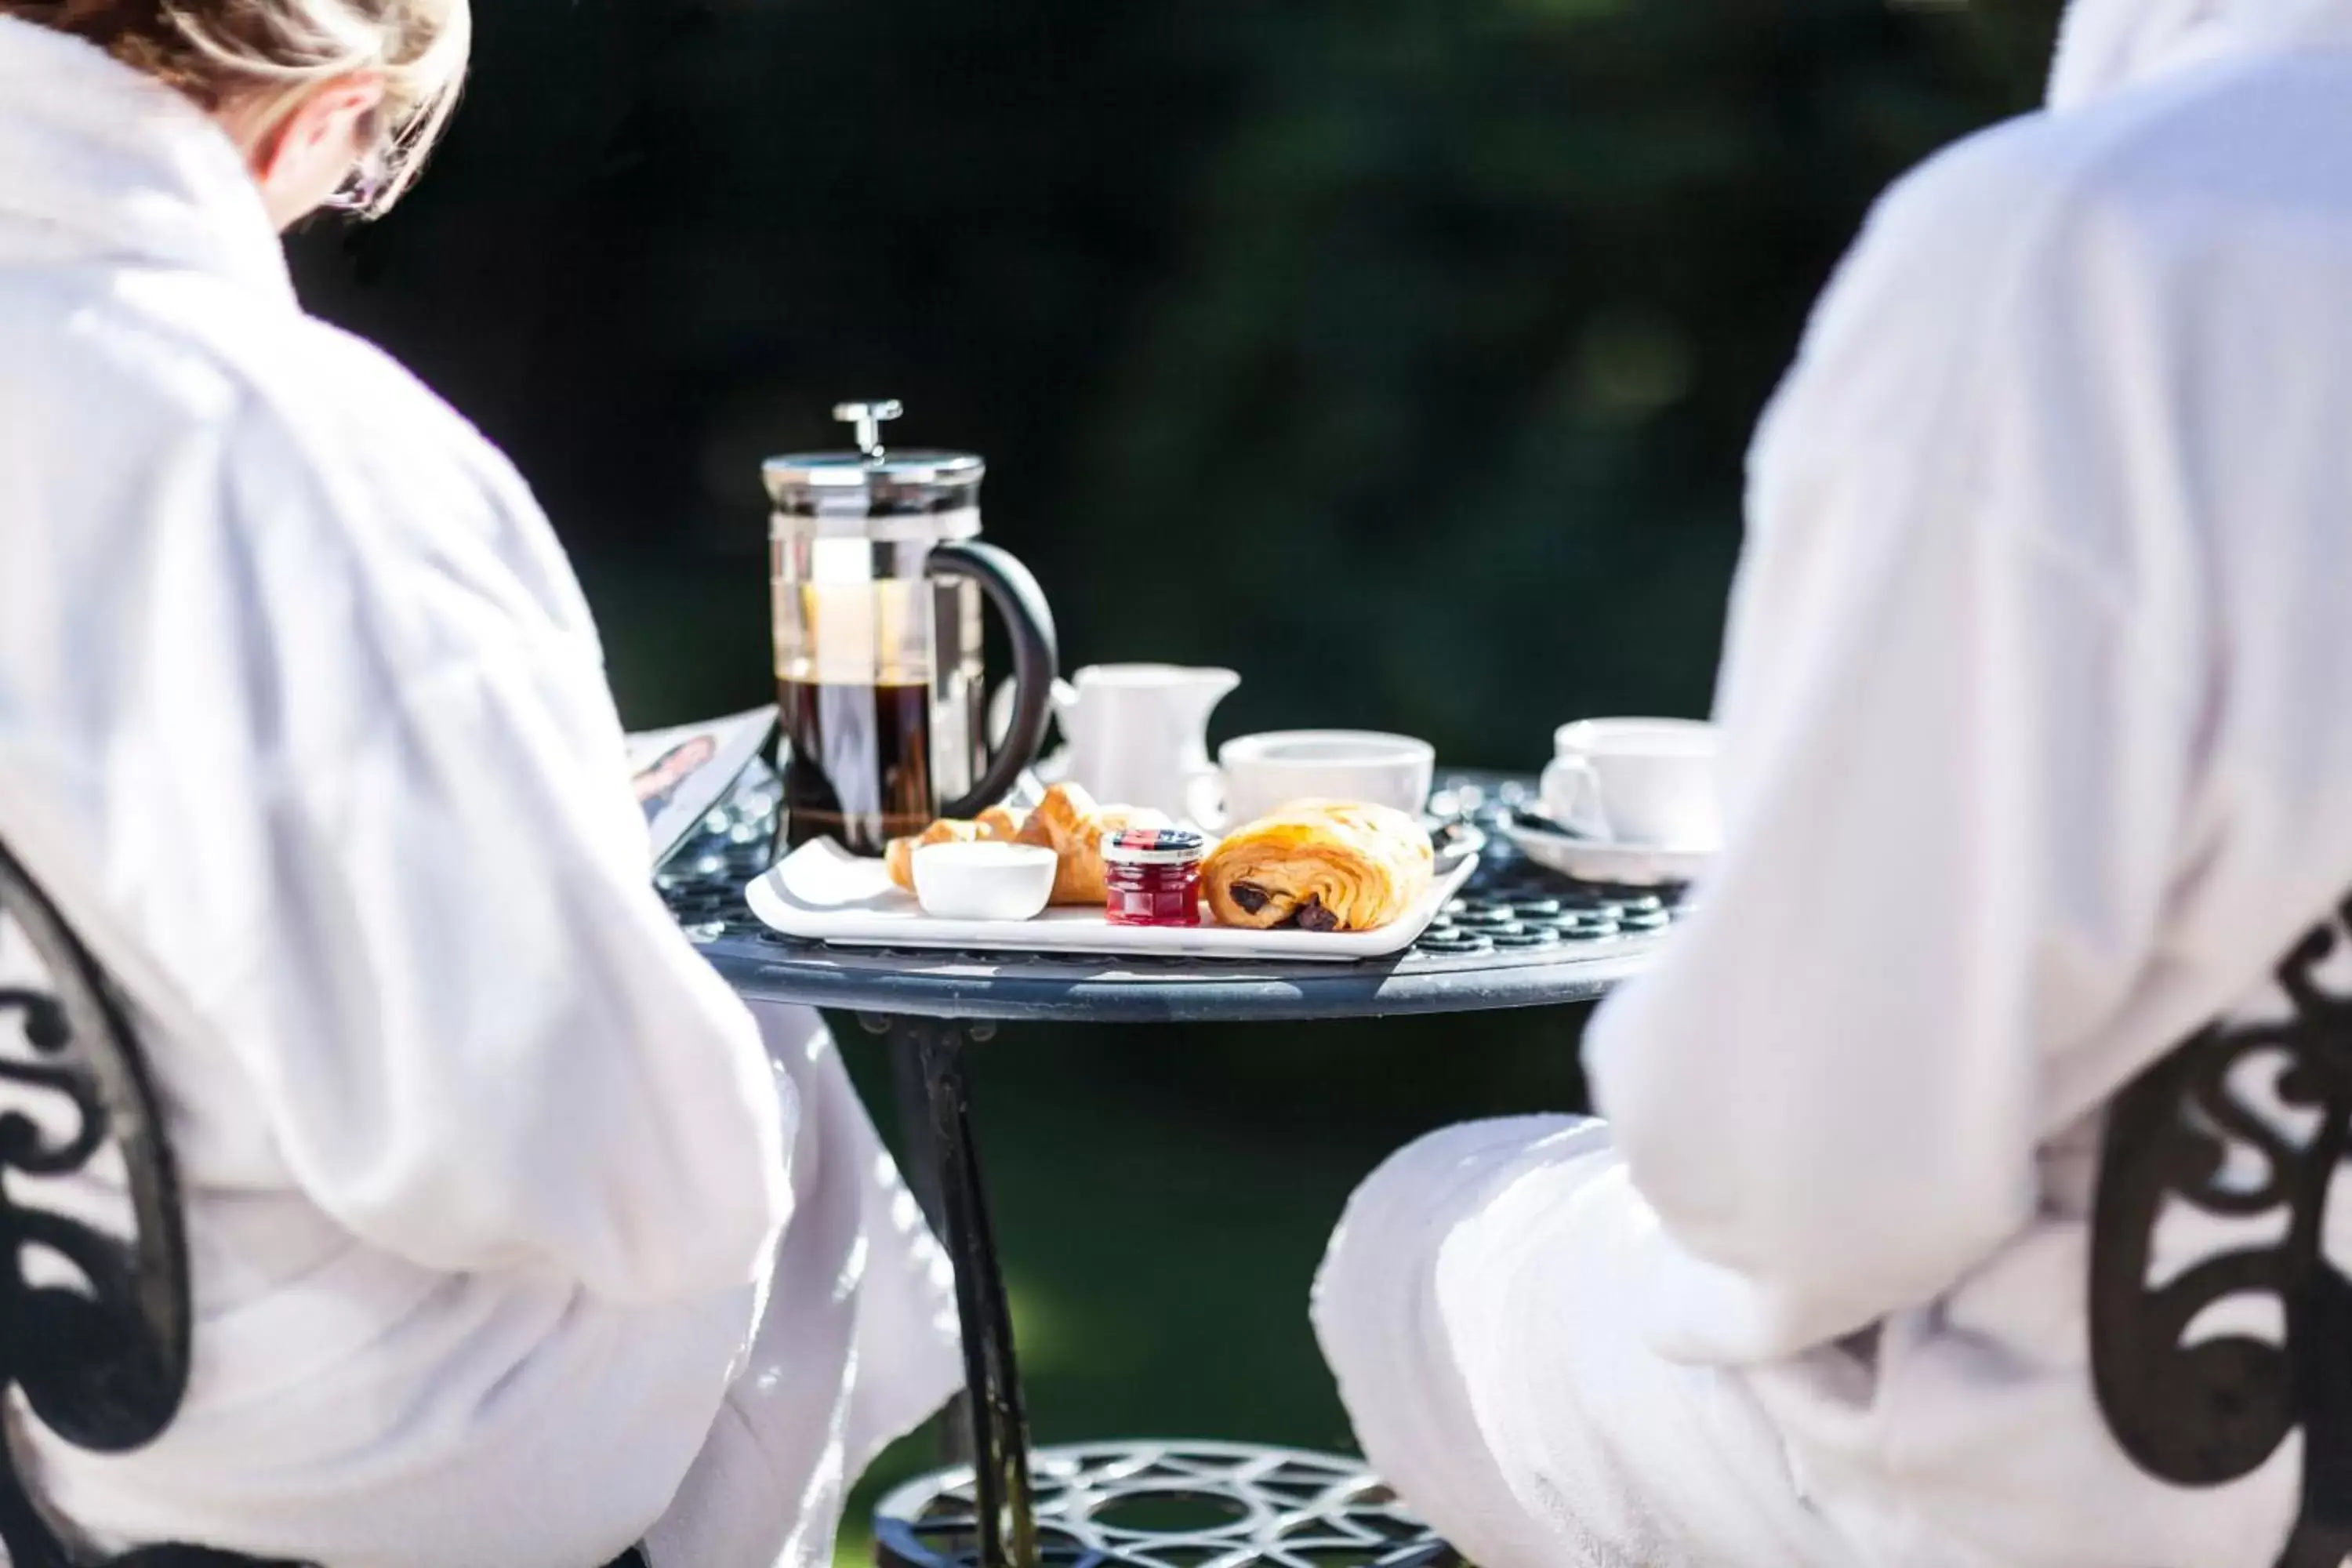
1152	876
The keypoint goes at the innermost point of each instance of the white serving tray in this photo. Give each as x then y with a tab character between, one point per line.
822	891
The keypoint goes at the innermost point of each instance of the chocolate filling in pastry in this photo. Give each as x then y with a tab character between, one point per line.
1250	896
1313	916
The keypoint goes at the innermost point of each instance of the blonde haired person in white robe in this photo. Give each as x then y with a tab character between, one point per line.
304	725
2038	712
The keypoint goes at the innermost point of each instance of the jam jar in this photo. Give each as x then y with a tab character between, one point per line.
1152	876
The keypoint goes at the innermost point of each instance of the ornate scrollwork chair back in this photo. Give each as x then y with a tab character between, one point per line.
2243	1126
94	1325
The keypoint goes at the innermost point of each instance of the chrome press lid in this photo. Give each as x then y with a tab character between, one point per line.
829	489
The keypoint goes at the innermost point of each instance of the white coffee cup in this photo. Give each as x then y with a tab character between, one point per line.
1263	773
1636	781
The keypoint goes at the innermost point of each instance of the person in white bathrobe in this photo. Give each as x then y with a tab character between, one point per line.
304	724
2037	703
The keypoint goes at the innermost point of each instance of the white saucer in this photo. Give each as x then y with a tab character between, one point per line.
1599	860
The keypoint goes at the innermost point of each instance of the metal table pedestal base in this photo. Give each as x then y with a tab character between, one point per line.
1173	1505
1003	1529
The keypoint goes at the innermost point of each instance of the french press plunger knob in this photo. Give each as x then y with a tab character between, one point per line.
867	418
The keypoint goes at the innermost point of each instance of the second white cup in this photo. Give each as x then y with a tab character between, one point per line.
1263	773
1649	782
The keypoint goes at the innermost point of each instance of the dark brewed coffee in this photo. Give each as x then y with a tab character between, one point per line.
858	761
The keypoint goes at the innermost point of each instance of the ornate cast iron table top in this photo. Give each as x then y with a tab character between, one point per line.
1519	936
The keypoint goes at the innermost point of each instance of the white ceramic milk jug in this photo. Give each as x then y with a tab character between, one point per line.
1138	734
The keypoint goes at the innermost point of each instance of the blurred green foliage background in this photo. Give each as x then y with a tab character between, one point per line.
1411	348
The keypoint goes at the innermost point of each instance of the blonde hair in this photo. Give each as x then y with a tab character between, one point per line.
217	51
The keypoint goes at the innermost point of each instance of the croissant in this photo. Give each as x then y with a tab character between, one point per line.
997	824
1060	819
1320	866
1069	823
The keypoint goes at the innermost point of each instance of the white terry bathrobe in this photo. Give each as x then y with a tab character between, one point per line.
304	724
2038	710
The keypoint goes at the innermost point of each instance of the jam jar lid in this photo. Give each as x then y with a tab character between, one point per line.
1154	846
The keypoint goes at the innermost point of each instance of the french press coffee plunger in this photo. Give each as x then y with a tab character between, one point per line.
876	576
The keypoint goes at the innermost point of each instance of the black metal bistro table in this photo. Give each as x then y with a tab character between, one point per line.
1518	936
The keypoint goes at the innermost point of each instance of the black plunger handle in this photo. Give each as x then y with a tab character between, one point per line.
1036	661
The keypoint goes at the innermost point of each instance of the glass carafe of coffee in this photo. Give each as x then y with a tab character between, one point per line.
876	576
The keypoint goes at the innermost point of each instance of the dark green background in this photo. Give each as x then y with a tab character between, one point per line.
1400	355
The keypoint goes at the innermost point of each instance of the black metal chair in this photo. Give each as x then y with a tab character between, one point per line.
2214	1411
2199	1412
102	1365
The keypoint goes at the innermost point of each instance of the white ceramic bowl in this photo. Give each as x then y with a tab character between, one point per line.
1265	772
984	881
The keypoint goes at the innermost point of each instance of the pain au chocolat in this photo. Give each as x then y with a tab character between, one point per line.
1319	866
